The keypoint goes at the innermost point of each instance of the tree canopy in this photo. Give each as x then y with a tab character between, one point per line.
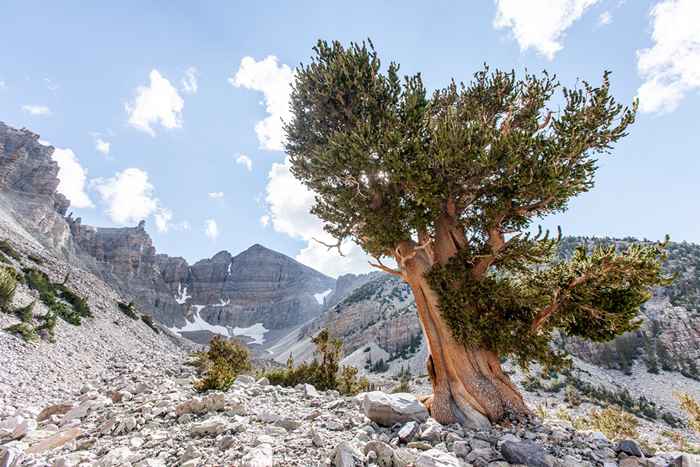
391	163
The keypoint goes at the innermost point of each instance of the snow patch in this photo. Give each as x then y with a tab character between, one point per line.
222	303
321	297
255	332
228	271
199	324
182	296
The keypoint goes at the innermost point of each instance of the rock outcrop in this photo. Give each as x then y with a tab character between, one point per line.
28	181
258	290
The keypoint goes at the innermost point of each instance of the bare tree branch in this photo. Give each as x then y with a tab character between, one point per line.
380	265
329	246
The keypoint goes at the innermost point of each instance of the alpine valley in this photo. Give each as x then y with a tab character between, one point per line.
110	390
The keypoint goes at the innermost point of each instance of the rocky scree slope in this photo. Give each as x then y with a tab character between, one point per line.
37	237
150	417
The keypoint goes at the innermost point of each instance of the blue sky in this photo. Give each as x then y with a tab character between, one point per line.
153	104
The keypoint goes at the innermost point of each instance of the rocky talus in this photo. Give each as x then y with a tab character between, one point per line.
143	416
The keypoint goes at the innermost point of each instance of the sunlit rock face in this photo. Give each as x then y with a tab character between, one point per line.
255	295
28	182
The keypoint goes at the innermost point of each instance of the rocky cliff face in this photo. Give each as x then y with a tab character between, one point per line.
256	295
28	180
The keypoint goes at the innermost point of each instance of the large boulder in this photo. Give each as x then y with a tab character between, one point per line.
437	458
388	409
525	453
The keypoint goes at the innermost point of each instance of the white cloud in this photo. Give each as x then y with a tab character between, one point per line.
273	80
3	85
163	217
71	178
211	229
540	24
40	110
129	197
51	85
604	18
216	194
671	67
245	161
288	203
157	103
102	146
189	81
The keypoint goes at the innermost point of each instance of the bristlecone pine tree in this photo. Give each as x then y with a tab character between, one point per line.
447	185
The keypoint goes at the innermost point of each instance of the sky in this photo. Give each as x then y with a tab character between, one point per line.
170	111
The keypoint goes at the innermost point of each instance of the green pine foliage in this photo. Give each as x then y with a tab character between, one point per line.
8	251
61	300
8	285
390	163
129	309
324	372
220	364
24	330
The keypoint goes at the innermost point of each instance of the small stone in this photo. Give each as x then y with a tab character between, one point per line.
524	452
55	409
211	426
244	380
437	458
384	454
629	447
54	441
288	423
461	448
408	431
264	381
310	391
432	433
420	445
226	442
347	455
259	456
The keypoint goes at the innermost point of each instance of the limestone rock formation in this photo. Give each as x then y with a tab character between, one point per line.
28	180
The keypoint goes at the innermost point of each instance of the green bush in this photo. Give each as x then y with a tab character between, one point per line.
25	330
220	365
8	285
48	325
58	297
615	424
128	309
26	313
149	322
8	250
323	374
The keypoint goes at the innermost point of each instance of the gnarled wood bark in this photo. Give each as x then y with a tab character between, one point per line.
469	385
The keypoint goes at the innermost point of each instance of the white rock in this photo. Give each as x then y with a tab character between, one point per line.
347	455
388	409
310	391
199	405
16	427
115	457
244	380
259	456
212	426
437	458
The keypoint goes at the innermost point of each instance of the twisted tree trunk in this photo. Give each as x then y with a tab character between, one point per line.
469	385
